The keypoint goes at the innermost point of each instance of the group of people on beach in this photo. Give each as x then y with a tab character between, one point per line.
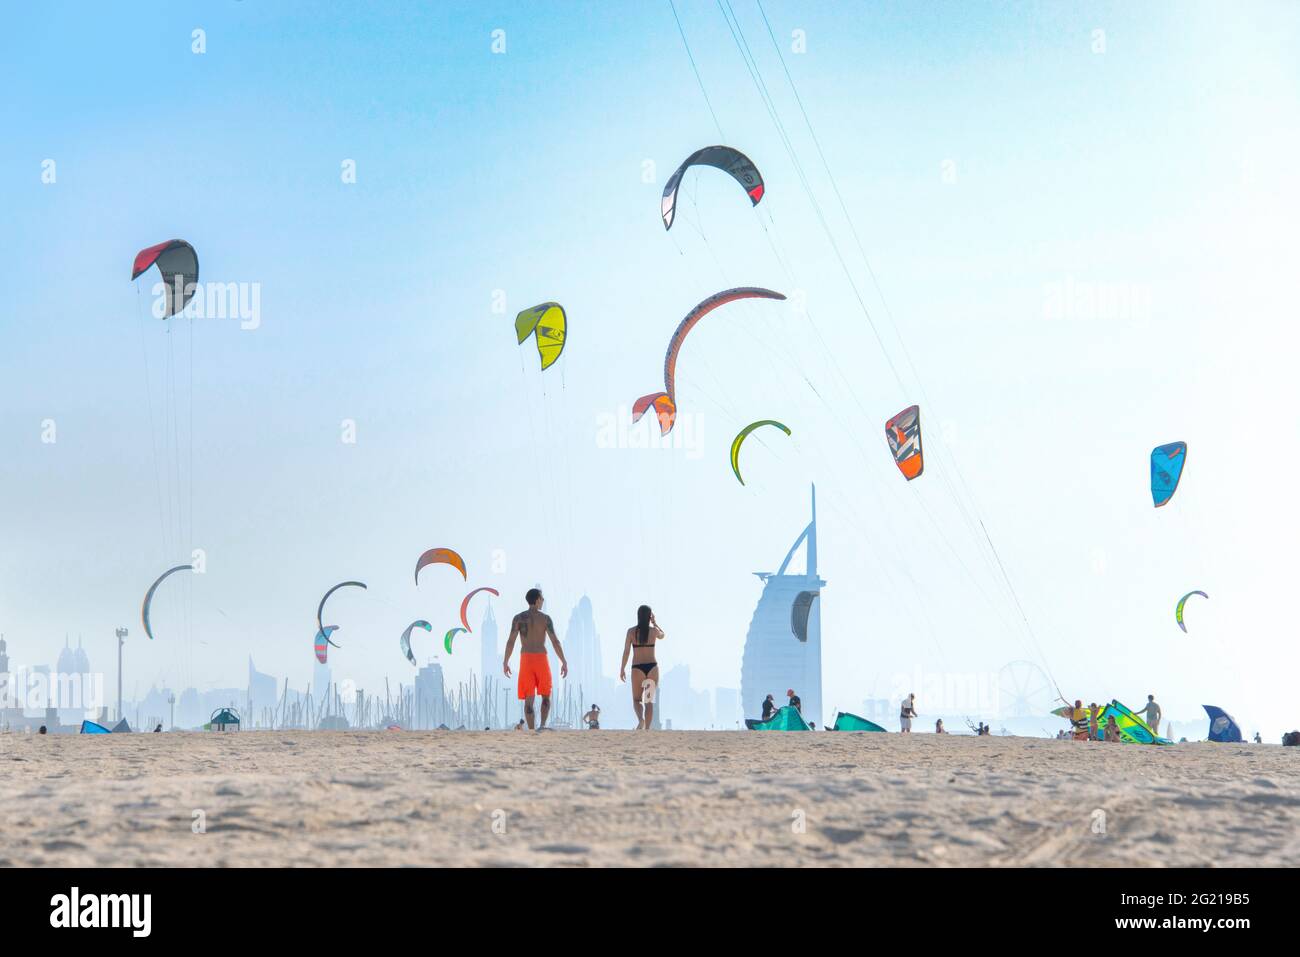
532	627
1084	724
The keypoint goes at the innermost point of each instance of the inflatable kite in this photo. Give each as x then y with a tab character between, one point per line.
1178	612
446	639
548	324
464	605
731	161
1166	469
740	439
405	643
904	434
1222	726
665	403
799	613
320	609
322	642
179	265
148	596
440	556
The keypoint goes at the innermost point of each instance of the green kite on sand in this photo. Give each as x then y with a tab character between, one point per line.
787	719
851	722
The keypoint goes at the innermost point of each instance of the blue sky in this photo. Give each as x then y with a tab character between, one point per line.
1158	172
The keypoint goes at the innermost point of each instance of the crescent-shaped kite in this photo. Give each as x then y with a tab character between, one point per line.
739	440
665	403
322	642
549	325
320	609
464	605
406	638
1178	612
148	596
440	556
726	158
446	639
179	265
799	612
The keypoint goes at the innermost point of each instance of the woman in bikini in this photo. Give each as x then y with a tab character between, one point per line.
640	644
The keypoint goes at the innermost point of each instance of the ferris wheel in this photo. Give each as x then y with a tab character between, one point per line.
1024	691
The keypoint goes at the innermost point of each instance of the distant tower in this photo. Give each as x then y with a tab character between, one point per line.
4	673
489	653
775	659
430	696
582	647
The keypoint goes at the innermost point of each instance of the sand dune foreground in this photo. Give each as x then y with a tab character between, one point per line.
622	798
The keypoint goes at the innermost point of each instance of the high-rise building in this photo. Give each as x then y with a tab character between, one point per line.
263	693
582	649
489	653
776	659
727	712
430	696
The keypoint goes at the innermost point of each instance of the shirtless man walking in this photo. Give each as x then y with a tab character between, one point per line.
532	628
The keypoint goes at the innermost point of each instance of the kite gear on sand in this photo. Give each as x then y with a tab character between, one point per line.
786	719
1222	727
851	722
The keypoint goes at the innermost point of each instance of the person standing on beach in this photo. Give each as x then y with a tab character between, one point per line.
769	707
907	713
1093	731
1081	720
794	700
1151	713
532	628
640	645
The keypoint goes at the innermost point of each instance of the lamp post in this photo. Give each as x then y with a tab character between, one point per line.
121	640
171	702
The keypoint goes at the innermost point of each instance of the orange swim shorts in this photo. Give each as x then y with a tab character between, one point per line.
534	675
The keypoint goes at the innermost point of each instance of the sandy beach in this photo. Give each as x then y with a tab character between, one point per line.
626	799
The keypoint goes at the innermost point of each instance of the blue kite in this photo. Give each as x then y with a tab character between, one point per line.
1166	469
1222	727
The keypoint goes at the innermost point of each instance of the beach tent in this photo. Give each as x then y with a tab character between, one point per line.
1132	729
787	719
122	727
851	722
224	719
1222	727
89	727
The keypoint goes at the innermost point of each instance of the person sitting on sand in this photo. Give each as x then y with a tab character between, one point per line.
906	713
1112	729
520	725
938	727
769	708
794	700
640	644
532	628
158	730
592	718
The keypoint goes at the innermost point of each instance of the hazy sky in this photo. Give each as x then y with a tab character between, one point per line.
1085	242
